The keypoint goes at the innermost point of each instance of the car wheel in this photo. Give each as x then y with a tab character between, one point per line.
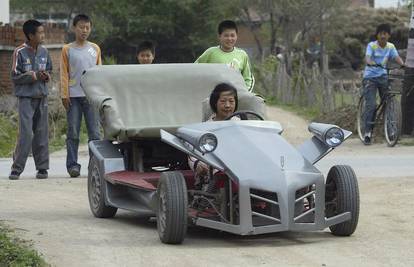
342	195
172	207
96	192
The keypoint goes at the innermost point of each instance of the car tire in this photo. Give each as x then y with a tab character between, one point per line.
342	195
172	207
96	191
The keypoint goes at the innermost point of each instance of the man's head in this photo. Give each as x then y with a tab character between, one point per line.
227	34
223	100
146	52
82	26
383	32
34	31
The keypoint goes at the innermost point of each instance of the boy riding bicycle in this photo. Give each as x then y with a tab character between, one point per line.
375	76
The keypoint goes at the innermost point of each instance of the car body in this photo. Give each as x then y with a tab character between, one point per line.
258	182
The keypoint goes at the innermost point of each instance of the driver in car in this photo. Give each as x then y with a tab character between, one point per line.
223	102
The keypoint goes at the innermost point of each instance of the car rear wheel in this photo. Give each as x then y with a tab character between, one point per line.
96	192
342	195
172	208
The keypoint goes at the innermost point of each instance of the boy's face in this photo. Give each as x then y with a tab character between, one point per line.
39	36
226	104
82	30
228	39
145	57
383	37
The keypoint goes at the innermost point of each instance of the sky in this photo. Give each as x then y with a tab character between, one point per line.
387	3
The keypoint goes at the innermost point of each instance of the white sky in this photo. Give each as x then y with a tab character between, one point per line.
387	3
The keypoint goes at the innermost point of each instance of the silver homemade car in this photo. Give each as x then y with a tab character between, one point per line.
258	182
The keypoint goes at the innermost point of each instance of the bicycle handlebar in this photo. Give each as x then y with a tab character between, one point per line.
385	68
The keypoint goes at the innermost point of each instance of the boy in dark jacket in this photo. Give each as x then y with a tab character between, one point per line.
31	69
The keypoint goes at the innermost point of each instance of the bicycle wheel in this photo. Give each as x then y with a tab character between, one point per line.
361	118
392	121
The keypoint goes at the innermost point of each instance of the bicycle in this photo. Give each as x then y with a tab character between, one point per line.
387	111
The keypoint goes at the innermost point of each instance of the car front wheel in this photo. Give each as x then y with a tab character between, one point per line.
342	195
172	207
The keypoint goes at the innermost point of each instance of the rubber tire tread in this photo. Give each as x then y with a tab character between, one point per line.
103	211
176	213
347	197
397	112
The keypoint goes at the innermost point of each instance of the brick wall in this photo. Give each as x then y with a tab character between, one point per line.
11	37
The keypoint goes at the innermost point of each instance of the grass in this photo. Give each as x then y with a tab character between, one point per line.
57	134
406	141
15	252
8	133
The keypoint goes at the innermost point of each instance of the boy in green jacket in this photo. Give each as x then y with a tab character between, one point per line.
227	53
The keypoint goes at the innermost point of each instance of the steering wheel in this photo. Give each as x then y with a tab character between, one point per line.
243	115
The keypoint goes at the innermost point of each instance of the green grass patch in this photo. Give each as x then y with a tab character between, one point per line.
15	252
406	141
308	113
57	134
8	133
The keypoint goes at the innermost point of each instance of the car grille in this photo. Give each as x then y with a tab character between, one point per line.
265	208
305	204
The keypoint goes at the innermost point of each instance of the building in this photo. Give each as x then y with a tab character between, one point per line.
362	3
4	12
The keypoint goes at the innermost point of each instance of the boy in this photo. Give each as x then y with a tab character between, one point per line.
31	69
377	55
228	54
77	57
146	52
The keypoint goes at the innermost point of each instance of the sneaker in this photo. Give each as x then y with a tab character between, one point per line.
14	175
74	171
41	174
367	139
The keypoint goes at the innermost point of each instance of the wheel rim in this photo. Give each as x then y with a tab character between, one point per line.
162	214
331	199
96	190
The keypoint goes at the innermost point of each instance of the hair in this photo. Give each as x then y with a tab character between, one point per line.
383	28
146	45
227	25
30	27
81	17
215	95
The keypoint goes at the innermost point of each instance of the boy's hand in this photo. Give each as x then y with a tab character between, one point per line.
43	75
66	103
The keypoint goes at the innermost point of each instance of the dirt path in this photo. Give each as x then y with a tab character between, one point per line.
295	127
55	214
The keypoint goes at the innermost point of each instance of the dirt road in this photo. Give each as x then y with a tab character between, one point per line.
55	214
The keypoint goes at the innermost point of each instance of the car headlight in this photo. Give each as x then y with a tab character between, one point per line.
329	134
207	143
334	137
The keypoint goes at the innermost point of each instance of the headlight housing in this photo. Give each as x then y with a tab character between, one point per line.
207	143
329	134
